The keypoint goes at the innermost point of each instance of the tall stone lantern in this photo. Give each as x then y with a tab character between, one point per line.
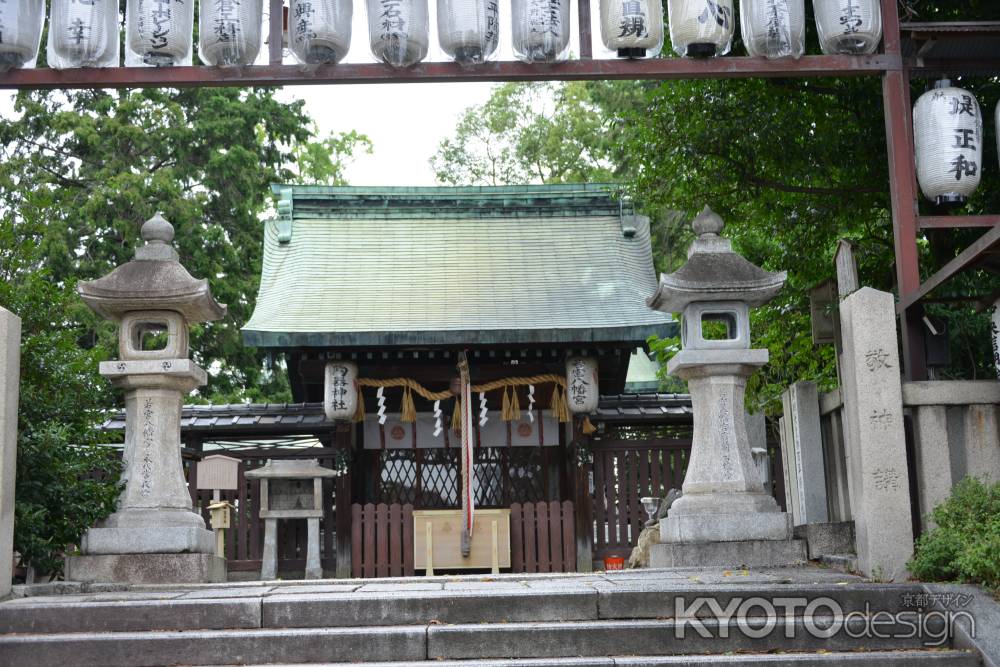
725	517
154	536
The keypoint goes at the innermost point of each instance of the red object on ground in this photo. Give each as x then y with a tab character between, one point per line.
614	563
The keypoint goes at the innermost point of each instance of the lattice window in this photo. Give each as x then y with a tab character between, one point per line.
398	481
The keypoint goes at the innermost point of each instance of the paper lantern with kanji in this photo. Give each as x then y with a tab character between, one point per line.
581	385
468	30
158	33
540	29
701	28
948	138
848	26
632	28
20	33
229	31
398	31
83	33
774	28
319	31
340	390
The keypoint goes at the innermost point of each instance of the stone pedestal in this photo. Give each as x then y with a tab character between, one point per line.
154	522
10	367
723	496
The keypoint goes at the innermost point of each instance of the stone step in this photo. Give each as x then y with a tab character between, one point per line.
475	642
928	658
253	609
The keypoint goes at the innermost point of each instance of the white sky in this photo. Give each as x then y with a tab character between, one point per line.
406	122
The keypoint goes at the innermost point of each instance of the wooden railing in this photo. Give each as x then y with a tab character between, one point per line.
381	540
543	537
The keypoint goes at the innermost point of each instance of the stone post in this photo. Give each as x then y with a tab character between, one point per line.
802	455
873	416
10	369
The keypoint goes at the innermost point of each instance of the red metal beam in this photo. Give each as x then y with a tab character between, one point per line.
965	260
279	75
957	221
903	195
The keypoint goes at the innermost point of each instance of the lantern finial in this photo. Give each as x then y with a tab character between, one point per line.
707	222
157	230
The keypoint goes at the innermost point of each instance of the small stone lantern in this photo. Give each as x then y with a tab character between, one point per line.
291	490
154	536
723	499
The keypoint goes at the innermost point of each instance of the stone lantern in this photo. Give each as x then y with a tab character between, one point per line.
724	517
154	536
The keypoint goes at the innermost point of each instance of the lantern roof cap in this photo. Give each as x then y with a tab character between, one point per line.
291	469
154	280
714	272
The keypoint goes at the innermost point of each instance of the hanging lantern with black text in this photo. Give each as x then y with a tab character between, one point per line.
229	31
398	31
158	33
540	29
468	30
848	26
83	33
20	32
632	28
947	136
581	385
340	390
319	31
701	28
774	28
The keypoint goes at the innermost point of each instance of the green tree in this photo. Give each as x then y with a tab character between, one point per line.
93	165
65	480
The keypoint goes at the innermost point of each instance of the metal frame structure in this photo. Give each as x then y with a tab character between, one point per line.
905	55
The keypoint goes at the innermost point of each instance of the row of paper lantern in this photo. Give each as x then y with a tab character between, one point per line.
84	33
948	141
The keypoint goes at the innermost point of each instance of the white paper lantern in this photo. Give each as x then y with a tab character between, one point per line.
581	385
948	138
158	32
774	28
468	30
701	28
848	26
20	32
83	33
340	395
319	31
632	28
398	31
229	31
540	29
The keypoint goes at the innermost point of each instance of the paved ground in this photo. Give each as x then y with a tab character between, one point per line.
626	579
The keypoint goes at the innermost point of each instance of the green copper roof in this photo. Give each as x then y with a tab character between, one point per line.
366	267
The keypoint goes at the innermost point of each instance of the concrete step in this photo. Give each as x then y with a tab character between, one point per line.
642	600
924	658
474	642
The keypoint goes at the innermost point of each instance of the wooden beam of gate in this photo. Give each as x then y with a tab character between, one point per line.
438	72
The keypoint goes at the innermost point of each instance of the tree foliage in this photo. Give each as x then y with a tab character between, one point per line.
65	481
89	167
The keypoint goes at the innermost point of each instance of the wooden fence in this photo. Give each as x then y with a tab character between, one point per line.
542	537
381	540
627	470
